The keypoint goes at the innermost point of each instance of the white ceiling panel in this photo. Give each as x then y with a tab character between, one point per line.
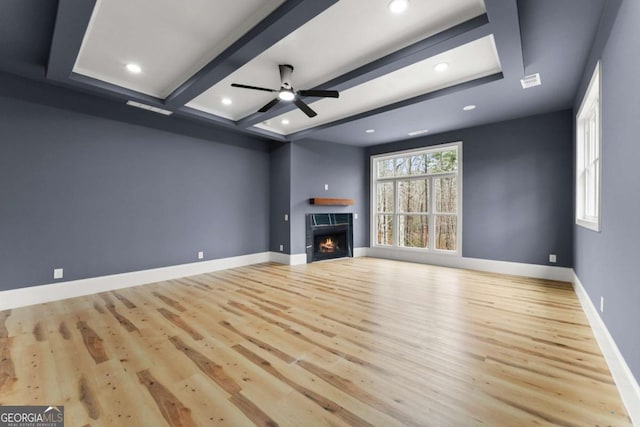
349	34
467	62
170	39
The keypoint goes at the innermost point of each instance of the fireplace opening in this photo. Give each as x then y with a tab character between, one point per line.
329	236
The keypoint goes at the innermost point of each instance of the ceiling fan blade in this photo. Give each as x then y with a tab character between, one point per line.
270	105
320	93
264	89
304	107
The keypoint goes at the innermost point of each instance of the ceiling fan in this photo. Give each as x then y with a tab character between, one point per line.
287	93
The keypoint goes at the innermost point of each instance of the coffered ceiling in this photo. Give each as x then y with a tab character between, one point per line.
188	52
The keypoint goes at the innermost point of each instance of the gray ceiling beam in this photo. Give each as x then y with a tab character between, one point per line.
507	36
72	20
291	15
204	117
400	104
443	41
114	91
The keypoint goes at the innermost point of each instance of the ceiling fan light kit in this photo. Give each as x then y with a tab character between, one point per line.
287	93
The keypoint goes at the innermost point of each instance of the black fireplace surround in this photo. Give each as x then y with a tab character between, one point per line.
329	235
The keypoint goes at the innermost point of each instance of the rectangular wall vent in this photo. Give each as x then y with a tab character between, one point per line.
530	81
150	108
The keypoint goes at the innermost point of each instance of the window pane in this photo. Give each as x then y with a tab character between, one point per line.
418	165
446	194
385	168
588	145
385	230
413	231
446	232
443	161
413	195
591	191
385	197
403	164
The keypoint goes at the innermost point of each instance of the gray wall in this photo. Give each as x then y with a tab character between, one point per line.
280	198
517	188
98	196
607	261
316	163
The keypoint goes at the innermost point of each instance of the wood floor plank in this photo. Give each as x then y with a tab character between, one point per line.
176	414
349	342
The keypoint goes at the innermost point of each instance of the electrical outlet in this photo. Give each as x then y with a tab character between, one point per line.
326	187
200	255
286	217
355	216
601	304
552	258
281	248
58	273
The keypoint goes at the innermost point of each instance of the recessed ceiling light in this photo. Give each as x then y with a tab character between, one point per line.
418	132
442	66
285	121
370	130
398	6
133	68
469	107
286	95
226	101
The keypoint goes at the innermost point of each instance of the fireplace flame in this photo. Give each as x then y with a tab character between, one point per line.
328	245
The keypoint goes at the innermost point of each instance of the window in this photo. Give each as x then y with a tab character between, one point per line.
588	150
416	198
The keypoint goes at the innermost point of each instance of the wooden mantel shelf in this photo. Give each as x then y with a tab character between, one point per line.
334	202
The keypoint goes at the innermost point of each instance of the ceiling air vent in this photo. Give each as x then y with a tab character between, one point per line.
418	132
530	81
150	108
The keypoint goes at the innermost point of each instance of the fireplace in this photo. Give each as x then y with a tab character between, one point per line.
329	235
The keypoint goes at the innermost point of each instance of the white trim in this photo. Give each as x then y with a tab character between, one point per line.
280	258
21	297
622	375
431	211
591	98
591	225
360	252
491	266
299	259
286	259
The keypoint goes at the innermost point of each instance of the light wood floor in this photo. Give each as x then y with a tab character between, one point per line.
350	342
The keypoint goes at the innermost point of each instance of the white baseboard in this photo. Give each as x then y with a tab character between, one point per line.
56	291
297	259
622	375
31	295
286	259
360	252
280	258
503	267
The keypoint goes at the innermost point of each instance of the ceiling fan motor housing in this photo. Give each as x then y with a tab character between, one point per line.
285	75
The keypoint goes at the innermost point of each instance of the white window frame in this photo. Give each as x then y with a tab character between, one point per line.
432	200
589	155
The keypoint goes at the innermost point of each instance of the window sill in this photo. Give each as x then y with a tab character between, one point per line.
591	225
418	250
